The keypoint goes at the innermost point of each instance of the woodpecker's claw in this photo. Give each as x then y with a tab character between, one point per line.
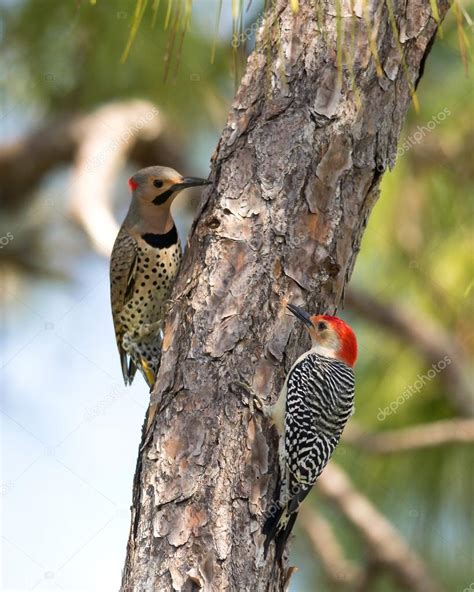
254	401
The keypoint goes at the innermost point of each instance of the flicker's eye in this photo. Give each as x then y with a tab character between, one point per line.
322	325
158	183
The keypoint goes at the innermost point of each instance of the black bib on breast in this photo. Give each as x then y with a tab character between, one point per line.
161	241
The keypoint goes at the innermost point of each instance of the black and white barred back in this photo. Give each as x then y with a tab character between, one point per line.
319	401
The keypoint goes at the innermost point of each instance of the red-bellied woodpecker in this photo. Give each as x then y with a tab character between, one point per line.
144	264
315	403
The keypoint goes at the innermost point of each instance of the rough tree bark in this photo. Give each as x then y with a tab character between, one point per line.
295	176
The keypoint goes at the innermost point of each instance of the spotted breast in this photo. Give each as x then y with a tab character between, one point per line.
156	264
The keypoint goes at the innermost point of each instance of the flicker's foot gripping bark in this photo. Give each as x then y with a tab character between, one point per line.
144	348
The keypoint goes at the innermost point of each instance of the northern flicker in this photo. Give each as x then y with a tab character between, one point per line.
144	264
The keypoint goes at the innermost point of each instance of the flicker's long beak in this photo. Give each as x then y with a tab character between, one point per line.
189	182
300	314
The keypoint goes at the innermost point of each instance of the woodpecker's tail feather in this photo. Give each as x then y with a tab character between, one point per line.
271	528
282	537
279	524
276	525
278	528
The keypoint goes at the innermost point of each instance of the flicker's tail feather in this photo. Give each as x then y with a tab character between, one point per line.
132	370
129	367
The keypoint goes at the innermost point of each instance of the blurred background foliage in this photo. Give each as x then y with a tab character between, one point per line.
61	58
70	53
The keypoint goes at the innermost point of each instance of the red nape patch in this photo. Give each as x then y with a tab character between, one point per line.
132	184
348	351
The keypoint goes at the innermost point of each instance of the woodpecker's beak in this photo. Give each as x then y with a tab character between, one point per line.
189	182
300	314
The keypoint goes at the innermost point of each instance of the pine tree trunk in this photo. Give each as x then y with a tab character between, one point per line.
295	176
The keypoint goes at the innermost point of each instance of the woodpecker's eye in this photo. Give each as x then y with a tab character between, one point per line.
158	183
322	325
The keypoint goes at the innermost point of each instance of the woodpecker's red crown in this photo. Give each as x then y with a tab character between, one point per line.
330	336
347	351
